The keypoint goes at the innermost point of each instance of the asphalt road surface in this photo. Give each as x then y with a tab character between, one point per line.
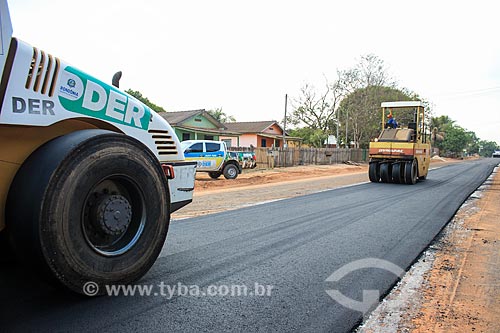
282	252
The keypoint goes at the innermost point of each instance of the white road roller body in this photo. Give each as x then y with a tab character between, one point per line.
89	175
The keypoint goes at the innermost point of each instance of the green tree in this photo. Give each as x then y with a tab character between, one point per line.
439	126
451	139
312	137
365	86
145	100
348	108
455	141
221	116
486	148
442	123
472	143
360	113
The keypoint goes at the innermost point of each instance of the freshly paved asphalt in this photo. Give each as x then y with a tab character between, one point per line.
293	245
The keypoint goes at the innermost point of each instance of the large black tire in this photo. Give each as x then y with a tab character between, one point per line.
6	254
230	171
374	172
90	209
411	172
423	177
386	172
215	174
398	172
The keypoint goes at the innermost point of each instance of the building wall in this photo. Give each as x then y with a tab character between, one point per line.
179	133
252	139
275	129
269	142
248	139
199	121
234	140
193	135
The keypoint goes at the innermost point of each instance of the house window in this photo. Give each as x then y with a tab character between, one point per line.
228	142
209	137
186	136
263	142
197	119
277	143
271	129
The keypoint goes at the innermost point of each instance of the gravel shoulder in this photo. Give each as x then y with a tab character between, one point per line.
455	285
462	290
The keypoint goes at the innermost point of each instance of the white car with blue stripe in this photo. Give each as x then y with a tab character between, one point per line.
212	157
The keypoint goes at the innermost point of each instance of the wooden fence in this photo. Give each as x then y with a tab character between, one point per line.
278	157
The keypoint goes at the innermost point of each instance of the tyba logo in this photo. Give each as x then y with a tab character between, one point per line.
93	98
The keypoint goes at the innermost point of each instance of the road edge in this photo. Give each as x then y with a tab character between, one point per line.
403	302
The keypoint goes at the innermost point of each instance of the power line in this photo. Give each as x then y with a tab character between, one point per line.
470	93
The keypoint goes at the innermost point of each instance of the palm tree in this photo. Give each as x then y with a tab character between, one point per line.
440	125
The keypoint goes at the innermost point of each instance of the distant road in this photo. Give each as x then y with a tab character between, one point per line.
293	245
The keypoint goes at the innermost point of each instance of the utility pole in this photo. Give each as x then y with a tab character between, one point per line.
284	121
346	127
338	125
284	131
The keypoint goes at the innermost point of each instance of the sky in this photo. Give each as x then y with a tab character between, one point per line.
244	56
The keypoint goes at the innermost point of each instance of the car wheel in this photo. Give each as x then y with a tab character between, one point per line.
230	171
215	174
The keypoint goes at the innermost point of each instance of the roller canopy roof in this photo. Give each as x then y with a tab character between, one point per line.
401	104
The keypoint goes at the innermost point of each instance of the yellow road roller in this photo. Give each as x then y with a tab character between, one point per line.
401	153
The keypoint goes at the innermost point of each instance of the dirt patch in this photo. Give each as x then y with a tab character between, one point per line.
270	176
252	188
251	177
463	287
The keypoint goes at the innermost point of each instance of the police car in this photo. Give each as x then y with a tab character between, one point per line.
212	157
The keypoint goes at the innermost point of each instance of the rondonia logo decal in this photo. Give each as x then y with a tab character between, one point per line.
83	94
